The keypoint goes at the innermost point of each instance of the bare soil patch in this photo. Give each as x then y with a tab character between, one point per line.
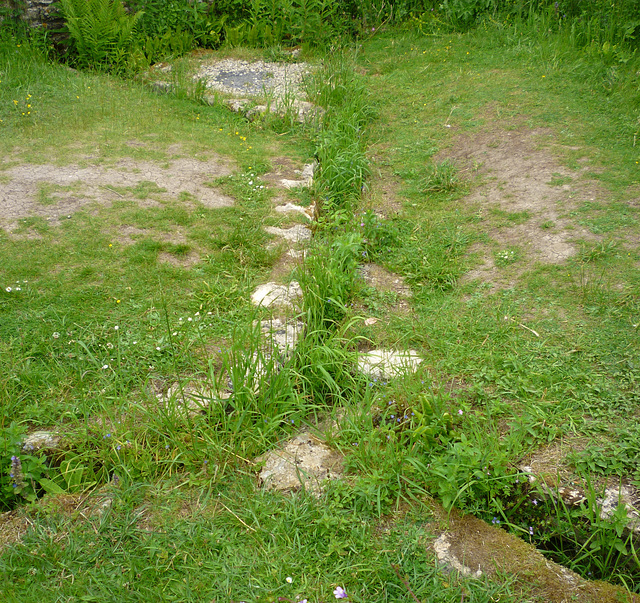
184	261
383	187
69	188
387	282
128	235
13	526
526	198
380	278
282	167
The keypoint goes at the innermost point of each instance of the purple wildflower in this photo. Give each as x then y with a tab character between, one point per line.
16	473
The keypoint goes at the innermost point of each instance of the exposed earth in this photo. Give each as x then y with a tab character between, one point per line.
523	183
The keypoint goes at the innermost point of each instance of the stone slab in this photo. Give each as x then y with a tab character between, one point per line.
302	462
387	364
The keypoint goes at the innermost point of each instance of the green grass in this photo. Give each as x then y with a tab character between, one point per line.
149	542
149	293
545	352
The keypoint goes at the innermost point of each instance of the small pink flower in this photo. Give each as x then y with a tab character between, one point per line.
339	593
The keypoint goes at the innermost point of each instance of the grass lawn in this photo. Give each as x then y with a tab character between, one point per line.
477	202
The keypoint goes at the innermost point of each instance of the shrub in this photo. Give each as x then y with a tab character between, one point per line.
102	32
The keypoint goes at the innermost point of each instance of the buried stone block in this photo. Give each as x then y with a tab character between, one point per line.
279	340
304	462
613	498
41	440
387	364
474	549
307	212
295	234
272	294
192	399
305	180
281	336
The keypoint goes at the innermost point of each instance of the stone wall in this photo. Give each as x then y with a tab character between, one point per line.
36	13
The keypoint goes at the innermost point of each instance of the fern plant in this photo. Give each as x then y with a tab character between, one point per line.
102	32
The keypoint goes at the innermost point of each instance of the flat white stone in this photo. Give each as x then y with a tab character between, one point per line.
271	294
41	440
303	462
295	234
387	364
281	336
290	207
